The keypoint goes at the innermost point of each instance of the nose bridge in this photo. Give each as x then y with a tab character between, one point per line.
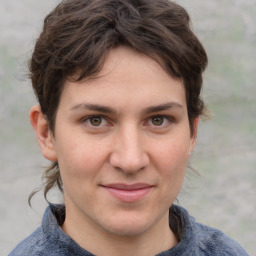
128	153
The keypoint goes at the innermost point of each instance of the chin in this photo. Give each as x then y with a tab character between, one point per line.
129	226
127	230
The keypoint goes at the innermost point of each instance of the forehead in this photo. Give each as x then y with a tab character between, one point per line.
126	63
127	76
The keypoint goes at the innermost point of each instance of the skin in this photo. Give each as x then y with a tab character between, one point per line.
129	126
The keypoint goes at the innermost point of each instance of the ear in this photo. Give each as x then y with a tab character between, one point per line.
193	136
44	134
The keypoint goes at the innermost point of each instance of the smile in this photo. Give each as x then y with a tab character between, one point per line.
128	193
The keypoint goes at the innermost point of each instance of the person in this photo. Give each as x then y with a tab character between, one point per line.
118	84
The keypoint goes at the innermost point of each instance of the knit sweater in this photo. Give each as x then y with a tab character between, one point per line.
196	239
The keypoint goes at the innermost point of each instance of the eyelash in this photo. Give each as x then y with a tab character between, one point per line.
88	118
166	118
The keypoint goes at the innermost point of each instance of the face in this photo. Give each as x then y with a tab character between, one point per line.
122	142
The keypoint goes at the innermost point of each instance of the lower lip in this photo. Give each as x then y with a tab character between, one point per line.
129	196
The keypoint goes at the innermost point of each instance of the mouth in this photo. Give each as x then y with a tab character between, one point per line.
128	193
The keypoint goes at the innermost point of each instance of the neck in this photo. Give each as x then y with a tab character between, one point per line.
155	240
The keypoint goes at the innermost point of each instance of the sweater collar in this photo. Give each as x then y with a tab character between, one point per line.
54	217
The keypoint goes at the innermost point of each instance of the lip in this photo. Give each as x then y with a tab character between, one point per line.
128	193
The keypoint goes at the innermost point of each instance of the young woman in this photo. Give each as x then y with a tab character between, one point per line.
118	84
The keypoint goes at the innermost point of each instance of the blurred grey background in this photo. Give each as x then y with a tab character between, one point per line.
224	196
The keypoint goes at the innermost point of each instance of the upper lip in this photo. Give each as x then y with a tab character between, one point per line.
122	186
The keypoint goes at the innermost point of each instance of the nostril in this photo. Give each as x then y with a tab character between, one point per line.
128	163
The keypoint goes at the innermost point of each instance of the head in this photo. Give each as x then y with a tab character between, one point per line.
78	36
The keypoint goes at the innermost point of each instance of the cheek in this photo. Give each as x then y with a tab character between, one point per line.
78	159
173	170
79	167
171	163
172	156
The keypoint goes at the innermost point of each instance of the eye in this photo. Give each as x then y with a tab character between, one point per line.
95	121
157	120
160	121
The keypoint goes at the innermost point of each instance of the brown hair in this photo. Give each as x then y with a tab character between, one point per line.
78	34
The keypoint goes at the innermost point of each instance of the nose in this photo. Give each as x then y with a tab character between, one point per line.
128	152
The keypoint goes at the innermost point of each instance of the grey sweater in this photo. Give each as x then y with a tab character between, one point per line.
196	239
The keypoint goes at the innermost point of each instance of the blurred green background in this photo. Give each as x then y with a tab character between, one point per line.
222	196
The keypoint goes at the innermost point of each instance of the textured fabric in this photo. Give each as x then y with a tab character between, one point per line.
196	239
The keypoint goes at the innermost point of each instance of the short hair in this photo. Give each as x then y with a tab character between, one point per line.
78	34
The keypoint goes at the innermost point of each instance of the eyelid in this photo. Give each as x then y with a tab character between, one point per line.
87	118
168	121
169	118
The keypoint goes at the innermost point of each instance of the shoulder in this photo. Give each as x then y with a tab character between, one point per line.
32	245
40	241
212	241
49	239
199	239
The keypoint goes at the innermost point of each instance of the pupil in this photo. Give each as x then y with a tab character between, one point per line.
157	120
95	121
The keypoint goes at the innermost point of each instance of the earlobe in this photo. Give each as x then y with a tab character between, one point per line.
44	134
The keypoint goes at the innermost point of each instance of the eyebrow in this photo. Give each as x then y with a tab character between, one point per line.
109	110
94	107
162	107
